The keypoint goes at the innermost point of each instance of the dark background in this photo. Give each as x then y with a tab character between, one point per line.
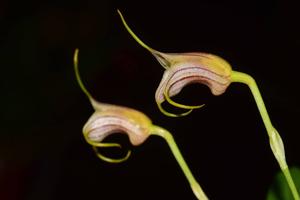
42	152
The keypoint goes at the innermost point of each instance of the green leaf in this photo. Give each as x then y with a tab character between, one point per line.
279	189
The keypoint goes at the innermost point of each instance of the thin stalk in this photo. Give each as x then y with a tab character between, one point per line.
291	183
274	137
197	190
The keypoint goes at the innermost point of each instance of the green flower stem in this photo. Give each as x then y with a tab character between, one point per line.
275	139
156	130
291	183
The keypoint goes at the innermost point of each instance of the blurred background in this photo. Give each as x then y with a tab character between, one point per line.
42	152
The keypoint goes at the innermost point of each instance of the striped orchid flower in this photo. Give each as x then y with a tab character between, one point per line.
182	69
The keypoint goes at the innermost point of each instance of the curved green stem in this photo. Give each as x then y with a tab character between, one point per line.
248	80
274	137
291	183
156	130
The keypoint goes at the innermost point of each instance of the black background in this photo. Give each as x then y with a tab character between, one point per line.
42	152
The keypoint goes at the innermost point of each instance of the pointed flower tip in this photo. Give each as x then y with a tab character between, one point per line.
75	57
169	114
112	160
120	13
135	37
179	105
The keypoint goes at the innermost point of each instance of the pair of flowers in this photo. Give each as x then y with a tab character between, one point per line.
181	69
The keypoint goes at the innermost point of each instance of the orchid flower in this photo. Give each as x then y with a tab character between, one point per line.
182	69
109	119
